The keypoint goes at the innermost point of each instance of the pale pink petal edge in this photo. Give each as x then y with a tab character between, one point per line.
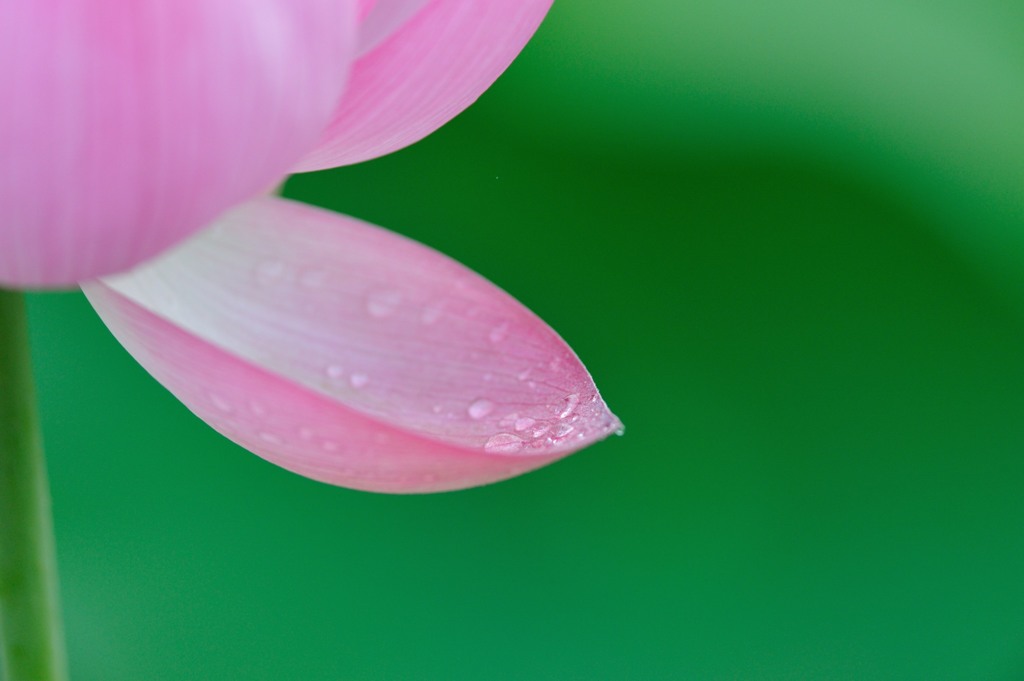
427	72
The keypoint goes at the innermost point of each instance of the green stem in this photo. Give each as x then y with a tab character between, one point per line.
31	634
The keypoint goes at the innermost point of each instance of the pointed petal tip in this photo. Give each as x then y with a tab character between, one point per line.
354	356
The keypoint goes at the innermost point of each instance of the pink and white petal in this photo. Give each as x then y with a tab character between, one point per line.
128	125
424	74
364	8
352	355
387	16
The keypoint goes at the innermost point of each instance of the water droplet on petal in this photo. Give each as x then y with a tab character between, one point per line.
568	405
313	278
503	443
270	272
437	409
358	380
523	375
431	314
270	438
498	333
257	408
563	430
524	423
220	402
540	431
381	304
480	408
335	371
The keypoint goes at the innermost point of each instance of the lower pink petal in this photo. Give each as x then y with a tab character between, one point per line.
425	73
352	355
128	125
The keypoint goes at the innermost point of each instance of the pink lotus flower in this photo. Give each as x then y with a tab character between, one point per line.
328	346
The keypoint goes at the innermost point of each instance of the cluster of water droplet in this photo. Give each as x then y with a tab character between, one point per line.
356	379
565	423
535	428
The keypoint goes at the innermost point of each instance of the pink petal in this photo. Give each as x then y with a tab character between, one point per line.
364	8
127	125
387	16
352	355
423	75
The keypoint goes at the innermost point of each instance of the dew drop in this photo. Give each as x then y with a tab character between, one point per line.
480	408
335	371
503	443
437	409
358	380
523	375
540	431
270	272
313	278
568	405
270	438
257	408
381	304
431	314
563	430
524	423
498	333
220	402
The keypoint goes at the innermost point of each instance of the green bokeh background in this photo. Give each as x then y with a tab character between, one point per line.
787	239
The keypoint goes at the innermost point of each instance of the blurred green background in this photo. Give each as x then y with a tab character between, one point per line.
787	239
